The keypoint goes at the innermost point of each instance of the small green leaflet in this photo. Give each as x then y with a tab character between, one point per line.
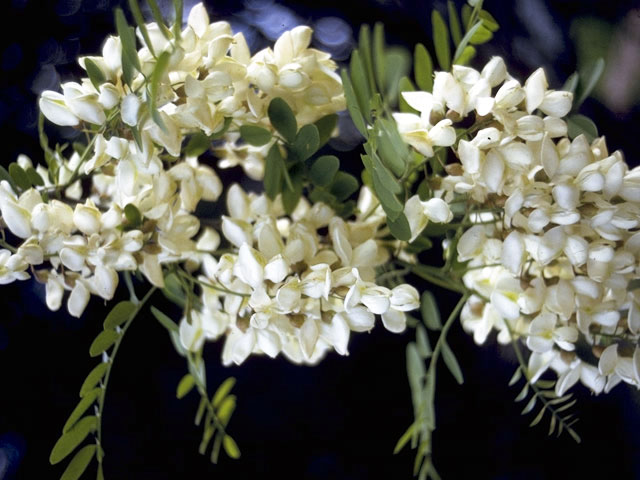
198	144
34	177
343	186
359	82
590	80
119	314
156	76
93	378
81	408
441	40
164	320
324	169
306	143
422	342
429	311
177	26
70	440
95	74
222	392
454	22
227	406
465	42
578	124
273	172
451	362
283	119
185	385
571	83
291	196
157	16
405	85
173	290
137	16
19	176
326	125
103	342
255	135
379	55
79	463
399	227
352	104
404	439
4	175
364	46
423	66
130	58
133	215
231	447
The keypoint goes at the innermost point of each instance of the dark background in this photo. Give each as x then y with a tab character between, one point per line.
342	418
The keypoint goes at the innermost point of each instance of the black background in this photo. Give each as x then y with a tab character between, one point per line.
338	420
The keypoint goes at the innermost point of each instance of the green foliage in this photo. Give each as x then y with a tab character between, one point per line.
103	342
430	311
197	145
185	386
441	40
164	320
324	170
68	442
283	119
326	125
306	143
95	74
79	463
255	135
19	176
133	216
119	314
130	60
578	124
156	76
423	68
94	377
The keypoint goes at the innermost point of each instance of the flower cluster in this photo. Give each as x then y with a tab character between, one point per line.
555	245
296	285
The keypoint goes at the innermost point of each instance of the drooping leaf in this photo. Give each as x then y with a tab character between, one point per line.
523	393
95	74
352	103
19	176
177	26
231	447
70	440
255	135
404	439
589	80
323	170
529	406
130	59
103	342
392	149
399	227
379	55
451	362
517	375
137	16
133	215
93	378
88	400
222	391
306	143
34	177
343	186
283	119
429	311
173	289
360	83
578	124
198	144
441	40
465	42
119	314
326	125
185	385
454	22
571	83
538	417
291	196
164	320
156	77
157	17
274	165
365	48
423	66
422	342
79	463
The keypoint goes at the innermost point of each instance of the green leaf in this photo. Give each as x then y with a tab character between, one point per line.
100	475
291	197
227	406
133	215
465	41
274	165
231	447
397	65
88	400
538	417
451	363
392	207
198	144
516	376
177	26
400	228
129	53
386	178
467	55
571	83
283	119
306	143
343	186
422	342
173	290
379	55
415	368
364	46
93	378
137	16
185	385
70	440
488	21
119	314
164	320
19	176
222	391
590	79
423	66
578	124
4	175
404	439
392	149
255	135
405	85
34	177
481	35
326	125
441	40
79	463
454	22
102	342
352	104
530	404
156	77
95	74
523	393
157	17
429	311
324	169
359	82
